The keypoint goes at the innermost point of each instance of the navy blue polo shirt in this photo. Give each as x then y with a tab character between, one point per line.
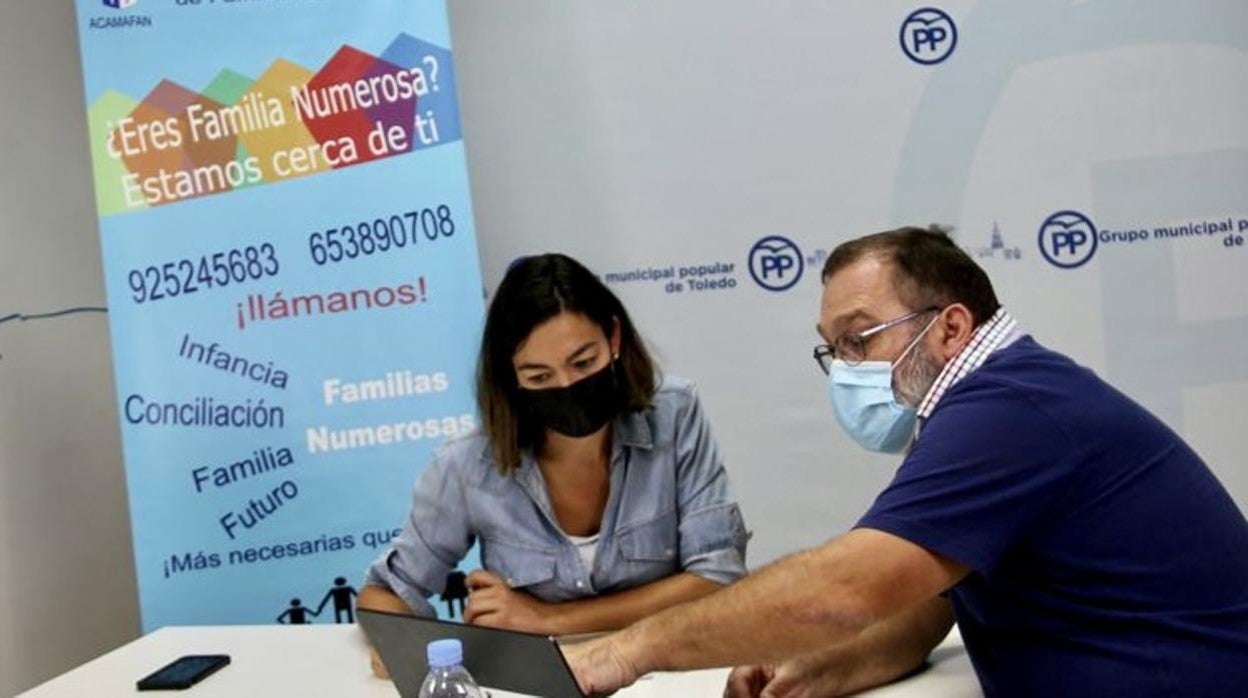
1106	559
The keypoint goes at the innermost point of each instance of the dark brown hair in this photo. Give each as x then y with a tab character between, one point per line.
928	268
534	290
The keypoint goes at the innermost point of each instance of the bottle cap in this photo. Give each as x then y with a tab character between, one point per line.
444	653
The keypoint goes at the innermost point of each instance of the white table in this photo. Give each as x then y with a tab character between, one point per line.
332	660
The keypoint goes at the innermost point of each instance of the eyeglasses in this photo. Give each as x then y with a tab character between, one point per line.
851	347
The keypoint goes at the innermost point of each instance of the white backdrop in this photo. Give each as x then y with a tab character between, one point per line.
641	136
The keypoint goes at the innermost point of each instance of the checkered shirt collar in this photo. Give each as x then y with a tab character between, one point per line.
987	338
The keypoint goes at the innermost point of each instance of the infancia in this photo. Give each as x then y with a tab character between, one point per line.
215	356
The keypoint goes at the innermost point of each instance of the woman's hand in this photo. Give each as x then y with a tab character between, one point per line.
379	669
493	604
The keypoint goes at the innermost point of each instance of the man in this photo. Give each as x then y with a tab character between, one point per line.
1084	548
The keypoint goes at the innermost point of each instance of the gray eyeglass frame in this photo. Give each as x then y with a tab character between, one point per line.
825	354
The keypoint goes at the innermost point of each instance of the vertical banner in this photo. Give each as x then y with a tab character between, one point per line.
293	287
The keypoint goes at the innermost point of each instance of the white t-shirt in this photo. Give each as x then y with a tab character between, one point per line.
587	548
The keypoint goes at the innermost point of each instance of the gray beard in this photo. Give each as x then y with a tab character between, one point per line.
915	377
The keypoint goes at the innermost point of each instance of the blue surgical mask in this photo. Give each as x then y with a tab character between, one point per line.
862	397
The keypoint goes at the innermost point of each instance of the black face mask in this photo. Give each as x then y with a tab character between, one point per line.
579	409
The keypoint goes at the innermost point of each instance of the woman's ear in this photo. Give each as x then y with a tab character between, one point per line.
614	339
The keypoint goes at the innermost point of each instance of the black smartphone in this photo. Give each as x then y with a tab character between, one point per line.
183	672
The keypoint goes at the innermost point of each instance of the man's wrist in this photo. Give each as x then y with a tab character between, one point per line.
834	668
635	646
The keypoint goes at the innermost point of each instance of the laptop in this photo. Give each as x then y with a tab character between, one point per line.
501	659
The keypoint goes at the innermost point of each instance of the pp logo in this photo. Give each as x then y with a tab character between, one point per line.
1067	239
776	263
928	36
120	4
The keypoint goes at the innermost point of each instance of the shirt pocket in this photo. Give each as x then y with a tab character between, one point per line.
649	550
521	566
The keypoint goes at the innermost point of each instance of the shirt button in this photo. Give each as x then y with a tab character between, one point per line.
579	584
669	552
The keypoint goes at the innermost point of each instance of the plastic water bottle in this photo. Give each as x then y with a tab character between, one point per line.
447	677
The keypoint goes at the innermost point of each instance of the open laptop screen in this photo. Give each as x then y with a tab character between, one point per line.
501	659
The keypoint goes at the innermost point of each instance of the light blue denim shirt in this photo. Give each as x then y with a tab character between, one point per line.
669	510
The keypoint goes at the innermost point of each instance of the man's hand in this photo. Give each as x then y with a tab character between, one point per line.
493	604
748	681
599	666
810	676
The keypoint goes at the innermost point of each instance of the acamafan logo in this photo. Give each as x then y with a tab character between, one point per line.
120	21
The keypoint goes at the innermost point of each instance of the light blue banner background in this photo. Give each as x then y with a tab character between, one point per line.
358	493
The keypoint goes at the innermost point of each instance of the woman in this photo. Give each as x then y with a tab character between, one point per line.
597	492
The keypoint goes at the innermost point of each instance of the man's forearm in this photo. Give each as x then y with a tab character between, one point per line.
615	611
884	652
802	603
775	613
